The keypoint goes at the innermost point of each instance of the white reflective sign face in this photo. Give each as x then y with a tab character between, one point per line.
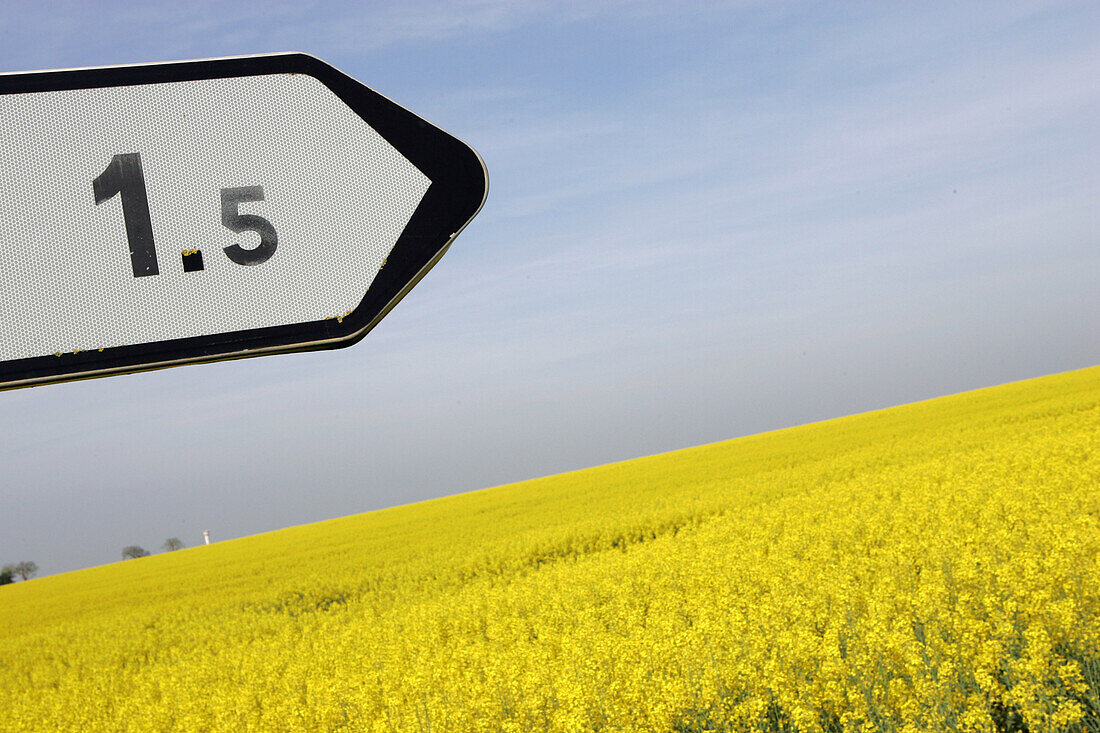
167	214
137	214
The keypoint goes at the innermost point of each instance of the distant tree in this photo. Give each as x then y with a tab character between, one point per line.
131	552
25	569
173	543
7	575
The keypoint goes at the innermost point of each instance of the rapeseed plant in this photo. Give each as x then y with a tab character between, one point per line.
933	566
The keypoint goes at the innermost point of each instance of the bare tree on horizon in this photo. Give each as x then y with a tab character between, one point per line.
25	569
132	552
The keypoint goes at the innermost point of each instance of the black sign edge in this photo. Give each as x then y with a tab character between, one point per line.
458	190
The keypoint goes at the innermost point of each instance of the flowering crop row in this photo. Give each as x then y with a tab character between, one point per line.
934	566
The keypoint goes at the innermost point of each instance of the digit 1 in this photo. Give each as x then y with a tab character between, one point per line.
124	176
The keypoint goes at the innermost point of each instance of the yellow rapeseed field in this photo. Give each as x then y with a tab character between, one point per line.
934	566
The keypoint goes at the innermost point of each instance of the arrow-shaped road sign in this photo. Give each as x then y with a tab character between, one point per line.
174	213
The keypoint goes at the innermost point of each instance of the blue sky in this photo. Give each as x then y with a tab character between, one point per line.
705	220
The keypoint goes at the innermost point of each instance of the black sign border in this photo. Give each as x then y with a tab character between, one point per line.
459	185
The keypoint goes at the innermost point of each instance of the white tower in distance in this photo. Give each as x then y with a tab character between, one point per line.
206	535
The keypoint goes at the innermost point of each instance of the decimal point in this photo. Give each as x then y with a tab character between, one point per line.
192	260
